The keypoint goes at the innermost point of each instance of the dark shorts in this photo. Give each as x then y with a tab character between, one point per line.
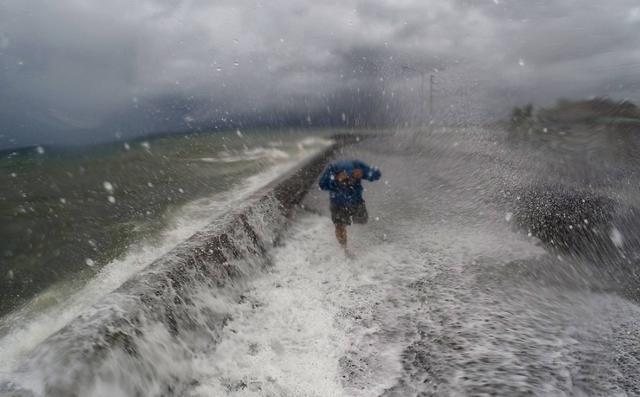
345	215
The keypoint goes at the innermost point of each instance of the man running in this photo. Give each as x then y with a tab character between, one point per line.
343	179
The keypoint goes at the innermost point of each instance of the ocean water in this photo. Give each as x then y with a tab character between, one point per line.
77	223
466	281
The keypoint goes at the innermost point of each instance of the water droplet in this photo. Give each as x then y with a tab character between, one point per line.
616	237
239	133
107	186
521	62
40	150
236	64
111	199
63	200
126	146
89	262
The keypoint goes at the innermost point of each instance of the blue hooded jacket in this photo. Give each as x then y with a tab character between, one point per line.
351	194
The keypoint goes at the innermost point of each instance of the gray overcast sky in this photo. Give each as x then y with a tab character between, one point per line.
88	70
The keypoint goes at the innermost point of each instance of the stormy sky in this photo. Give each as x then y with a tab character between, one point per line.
81	71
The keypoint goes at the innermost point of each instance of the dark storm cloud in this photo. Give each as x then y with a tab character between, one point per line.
78	70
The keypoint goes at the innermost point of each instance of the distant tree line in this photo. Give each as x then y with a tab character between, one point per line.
522	116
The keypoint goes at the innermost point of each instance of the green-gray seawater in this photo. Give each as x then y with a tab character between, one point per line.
65	213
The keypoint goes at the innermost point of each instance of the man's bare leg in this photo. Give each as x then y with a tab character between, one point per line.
341	235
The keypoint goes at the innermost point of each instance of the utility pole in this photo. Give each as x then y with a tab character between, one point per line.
431	97
423	99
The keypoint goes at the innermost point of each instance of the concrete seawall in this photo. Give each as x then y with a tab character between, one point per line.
149	328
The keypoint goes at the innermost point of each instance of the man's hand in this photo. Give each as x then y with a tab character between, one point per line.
342	176
357	174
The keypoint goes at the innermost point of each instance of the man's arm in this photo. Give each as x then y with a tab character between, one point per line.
369	173
328	180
